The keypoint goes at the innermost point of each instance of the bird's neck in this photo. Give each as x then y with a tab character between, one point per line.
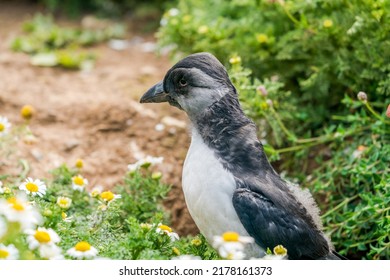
232	136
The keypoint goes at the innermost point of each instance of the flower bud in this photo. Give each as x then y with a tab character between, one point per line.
362	96
261	89
27	112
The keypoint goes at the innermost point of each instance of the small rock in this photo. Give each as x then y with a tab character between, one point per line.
37	154
71	144
170	121
118	45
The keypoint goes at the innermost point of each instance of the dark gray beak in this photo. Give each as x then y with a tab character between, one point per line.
155	94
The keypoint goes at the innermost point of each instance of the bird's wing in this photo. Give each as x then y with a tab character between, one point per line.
272	224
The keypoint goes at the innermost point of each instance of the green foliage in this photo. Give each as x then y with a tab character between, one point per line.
123	228
52	45
104	7
298	66
355	186
319	50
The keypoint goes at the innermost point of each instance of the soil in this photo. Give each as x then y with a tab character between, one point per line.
92	115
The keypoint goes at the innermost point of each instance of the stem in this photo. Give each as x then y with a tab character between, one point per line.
282	126
290	16
379	117
339	206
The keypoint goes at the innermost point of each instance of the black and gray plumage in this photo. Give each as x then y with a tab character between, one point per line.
228	182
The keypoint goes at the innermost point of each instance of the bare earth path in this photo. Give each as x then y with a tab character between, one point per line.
94	116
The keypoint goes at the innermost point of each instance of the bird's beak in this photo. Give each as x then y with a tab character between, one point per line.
155	94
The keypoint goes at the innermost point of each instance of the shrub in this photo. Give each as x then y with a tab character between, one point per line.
319	50
298	67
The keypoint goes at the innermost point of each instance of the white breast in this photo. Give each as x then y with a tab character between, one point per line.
208	190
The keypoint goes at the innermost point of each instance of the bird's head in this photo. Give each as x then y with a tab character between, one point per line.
193	84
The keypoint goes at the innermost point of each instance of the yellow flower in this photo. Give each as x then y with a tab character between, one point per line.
186	18
82	250
230	236
109	196
4	126
64	202
156	175
40	237
19	209
27	112
33	187
231	245
262	38
79	163
164	229
78	182
327	23
8	252
176	251
280	250
235	59
203	29
196	242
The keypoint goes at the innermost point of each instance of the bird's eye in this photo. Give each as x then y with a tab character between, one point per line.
183	82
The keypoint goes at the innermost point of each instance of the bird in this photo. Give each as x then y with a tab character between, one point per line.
227	179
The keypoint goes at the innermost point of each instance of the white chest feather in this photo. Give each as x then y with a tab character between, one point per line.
208	190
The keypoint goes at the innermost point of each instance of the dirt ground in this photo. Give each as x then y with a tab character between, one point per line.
94	116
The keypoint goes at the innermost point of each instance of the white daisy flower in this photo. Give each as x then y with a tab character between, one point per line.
1	187
164	229
186	258
18	209
231	245
4	126
145	162
146	226
8	252
41	236
3	227
96	191
64	202
82	250
33	187
173	12
79	183
108	196
50	252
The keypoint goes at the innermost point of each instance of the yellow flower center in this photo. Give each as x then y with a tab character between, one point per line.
2	127
82	246
27	112
176	251
164	227
78	180
42	236
31	187
63	202
79	163
3	254
262	38
328	23
230	236
17	205
64	215
196	242
235	60
107	195
280	250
